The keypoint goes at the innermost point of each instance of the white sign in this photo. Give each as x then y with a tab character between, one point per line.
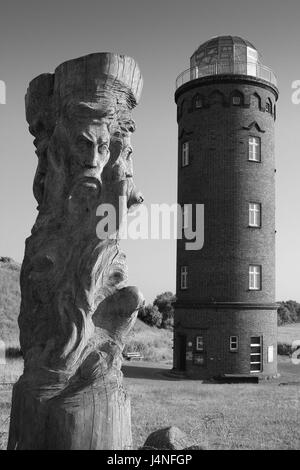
270	354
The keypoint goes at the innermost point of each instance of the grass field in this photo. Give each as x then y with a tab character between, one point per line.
154	344
237	416
264	416
289	333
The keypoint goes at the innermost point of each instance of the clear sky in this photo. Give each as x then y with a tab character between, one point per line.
36	36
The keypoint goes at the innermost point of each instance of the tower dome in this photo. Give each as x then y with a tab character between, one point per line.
223	55
225	49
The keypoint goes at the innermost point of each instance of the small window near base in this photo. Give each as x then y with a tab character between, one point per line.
234	343
199	343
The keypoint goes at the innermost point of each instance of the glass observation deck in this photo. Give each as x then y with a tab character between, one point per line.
253	69
225	55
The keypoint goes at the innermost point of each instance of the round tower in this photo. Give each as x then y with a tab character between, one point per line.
225	315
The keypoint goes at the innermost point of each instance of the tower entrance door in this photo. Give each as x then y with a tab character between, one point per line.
256	354
181	352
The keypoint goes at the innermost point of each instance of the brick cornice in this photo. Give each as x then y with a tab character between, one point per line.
230	305
226	78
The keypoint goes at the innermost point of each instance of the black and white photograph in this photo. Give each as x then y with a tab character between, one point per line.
149	240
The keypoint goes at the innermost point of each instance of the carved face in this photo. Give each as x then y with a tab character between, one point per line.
99	146
90	159
88	133
89	153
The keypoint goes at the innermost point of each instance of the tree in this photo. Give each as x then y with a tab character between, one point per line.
164	302
294	308
288	312
150	315
283	315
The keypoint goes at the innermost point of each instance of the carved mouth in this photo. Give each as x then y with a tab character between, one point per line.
89	182
87	186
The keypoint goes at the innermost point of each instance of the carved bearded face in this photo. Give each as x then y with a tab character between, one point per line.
90	159
89	137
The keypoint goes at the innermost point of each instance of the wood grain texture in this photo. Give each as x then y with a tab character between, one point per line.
76	310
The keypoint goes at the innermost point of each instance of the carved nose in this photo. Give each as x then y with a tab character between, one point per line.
92	160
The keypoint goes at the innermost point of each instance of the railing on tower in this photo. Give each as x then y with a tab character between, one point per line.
254	69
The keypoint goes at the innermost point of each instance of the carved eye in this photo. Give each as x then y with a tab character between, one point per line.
83	143
102	148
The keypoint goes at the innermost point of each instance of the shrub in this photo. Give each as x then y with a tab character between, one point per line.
164	302
288	312
284	349
150	315
154	344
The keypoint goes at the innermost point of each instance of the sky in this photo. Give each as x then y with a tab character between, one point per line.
36	36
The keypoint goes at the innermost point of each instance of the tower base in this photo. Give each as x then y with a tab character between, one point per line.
217	341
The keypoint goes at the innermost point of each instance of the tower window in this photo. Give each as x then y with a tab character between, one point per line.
254	149
254	277
255	354
183	277
198	102
199	343
185	154
236	100
199	356
234	343
254	214
268	106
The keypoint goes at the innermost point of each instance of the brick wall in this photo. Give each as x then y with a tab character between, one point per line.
216	326
221	177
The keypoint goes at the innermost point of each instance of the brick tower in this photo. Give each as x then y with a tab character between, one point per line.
225	315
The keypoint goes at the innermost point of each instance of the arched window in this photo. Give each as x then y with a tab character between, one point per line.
269	106
237	98
198	102
255	101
